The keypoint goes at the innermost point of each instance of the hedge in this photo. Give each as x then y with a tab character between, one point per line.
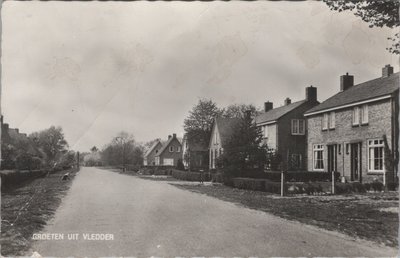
357	187
12	178
309	188
156	170
290	176
187	176
253	184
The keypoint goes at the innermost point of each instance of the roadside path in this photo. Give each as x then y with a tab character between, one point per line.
154	218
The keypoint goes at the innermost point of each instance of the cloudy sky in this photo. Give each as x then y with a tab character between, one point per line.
97	68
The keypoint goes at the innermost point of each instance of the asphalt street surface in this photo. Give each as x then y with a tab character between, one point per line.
153	218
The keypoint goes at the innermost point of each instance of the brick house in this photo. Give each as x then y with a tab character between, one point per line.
221	132
285	131
149	156
348	132
170	152
194	153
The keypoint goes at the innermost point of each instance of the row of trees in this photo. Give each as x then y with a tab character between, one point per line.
46	149
123	150
244	149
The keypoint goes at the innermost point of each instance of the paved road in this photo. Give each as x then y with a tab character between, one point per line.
153	218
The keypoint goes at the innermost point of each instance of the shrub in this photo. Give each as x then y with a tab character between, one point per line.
377	186
249	184
367	186
290	176
228	181
272	187
218	178
343	188
295	189
358	187
180	165
392	186
188	176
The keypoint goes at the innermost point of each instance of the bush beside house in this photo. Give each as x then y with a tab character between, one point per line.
190	176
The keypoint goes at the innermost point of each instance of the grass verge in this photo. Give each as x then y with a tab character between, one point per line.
25	210
370	216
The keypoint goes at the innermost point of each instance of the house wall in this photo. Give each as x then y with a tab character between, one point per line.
175	155
215	146
289	144
271	139
379	124
184	151
150	158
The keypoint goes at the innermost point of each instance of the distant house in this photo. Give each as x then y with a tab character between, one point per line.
14	144
170	153
194	153
349	131
284	129
221	132
149	156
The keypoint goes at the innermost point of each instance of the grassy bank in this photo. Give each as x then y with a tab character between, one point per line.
370	216
26	210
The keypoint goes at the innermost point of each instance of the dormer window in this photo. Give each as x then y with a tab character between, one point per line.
171	149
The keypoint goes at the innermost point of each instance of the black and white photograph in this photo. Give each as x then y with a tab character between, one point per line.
199	128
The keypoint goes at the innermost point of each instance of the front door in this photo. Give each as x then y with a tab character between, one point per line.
332	157
355	160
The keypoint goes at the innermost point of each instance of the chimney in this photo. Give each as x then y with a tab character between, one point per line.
174	135
17	130
287	101
5	127
346	81
387	70
311	94
169	137
268	106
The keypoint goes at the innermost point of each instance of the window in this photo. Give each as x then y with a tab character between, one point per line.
265	131
178	149
168	162
325	122
318	157
339	149
331	120
375	155
171	149
298	126
356	116
212	159
328	121
364	114
295	161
